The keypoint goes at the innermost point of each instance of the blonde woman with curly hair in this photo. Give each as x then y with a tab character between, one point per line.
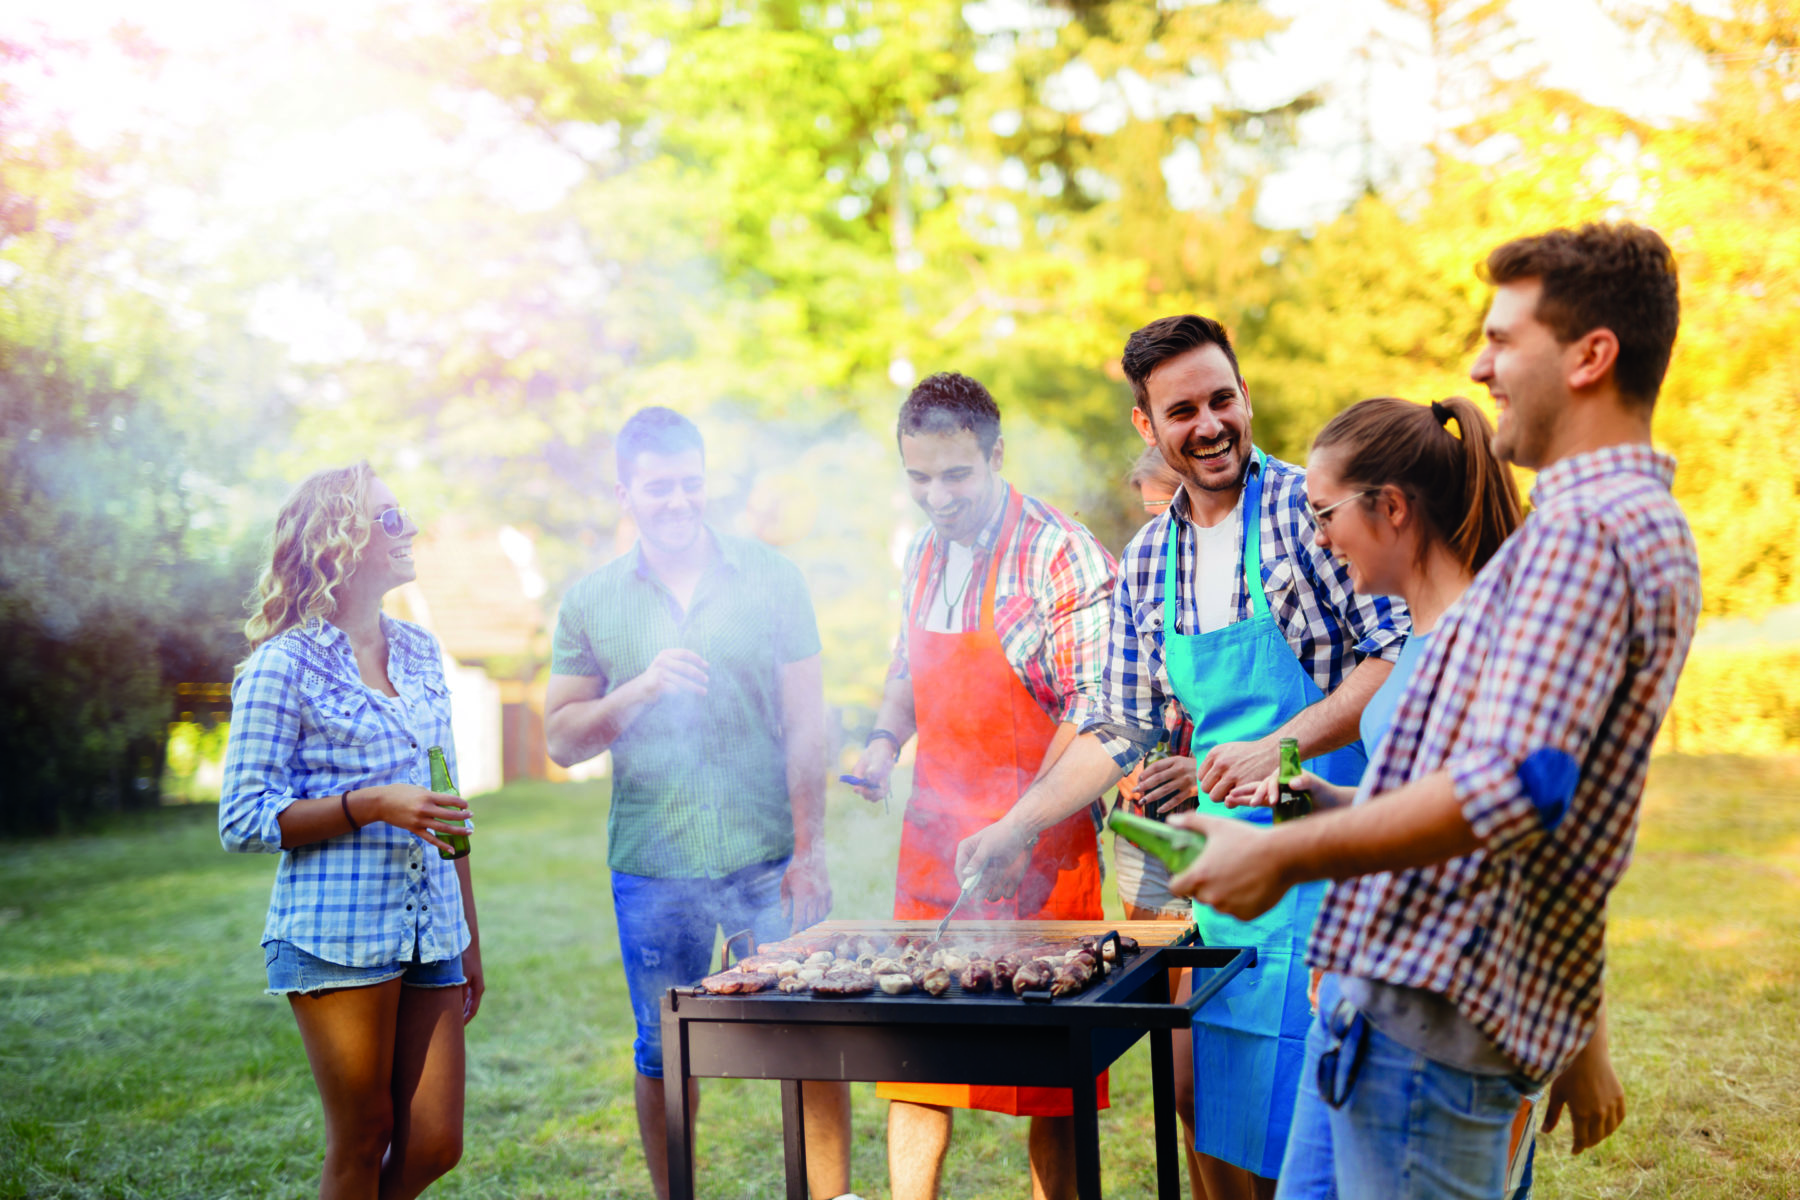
371	932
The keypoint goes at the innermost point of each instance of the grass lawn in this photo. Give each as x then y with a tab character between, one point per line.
139	1057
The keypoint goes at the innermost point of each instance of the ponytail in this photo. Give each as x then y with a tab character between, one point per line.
1451	475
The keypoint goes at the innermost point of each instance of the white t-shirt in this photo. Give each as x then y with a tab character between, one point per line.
1217	569
943	611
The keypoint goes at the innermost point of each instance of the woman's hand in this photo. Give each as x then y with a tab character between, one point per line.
417	810
1263	792
477	982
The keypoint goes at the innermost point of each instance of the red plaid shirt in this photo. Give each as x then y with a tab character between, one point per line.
1541	695
1050	602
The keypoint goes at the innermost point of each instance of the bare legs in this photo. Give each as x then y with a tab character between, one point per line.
388	1062
919	1139
826	1109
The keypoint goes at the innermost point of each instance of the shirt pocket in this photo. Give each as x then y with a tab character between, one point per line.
346	716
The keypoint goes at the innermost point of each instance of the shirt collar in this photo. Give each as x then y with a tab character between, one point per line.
1579	470
990	532
1180	508
727	554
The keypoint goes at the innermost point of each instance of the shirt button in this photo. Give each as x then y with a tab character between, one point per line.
409	908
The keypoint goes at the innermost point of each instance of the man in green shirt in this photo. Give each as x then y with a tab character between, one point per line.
694	658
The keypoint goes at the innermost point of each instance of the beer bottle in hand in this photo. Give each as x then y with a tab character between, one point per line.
440	782
1290	803
1177	848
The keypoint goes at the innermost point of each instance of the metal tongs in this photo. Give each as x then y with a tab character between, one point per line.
967	887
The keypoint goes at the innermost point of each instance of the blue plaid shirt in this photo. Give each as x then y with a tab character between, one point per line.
304	725
1329	626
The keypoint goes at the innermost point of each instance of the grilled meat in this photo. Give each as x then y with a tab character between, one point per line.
792	985
895	983
737	983
1032	977
978	976
932	980
845	981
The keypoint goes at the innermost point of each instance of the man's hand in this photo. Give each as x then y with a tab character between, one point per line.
1232	764
1593	1094
1167	784
875	766
1240	873
805	889
673	671
1000	853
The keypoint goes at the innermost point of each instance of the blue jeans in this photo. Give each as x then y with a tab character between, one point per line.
292	969
1408	1128
666	929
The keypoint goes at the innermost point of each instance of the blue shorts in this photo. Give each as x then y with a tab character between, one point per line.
666	929
292	969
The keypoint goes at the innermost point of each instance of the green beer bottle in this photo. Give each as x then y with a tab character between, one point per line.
1290	803
1177	848
440	782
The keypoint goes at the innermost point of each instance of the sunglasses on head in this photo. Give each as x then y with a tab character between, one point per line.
392	521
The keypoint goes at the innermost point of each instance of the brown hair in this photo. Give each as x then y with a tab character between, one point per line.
1616	277
319	534
948	403
1468	496
1166	338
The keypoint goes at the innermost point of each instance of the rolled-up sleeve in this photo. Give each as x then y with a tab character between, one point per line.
265	729
1127	718
1552	677
1081	584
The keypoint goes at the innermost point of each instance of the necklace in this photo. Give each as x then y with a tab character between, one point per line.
950	602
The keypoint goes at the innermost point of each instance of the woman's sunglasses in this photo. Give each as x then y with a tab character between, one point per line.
392	520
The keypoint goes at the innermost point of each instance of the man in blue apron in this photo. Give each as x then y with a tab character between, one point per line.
1226	603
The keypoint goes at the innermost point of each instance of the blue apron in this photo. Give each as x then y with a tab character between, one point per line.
1240	683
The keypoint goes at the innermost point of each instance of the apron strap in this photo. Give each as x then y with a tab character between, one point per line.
1252	559
1015	506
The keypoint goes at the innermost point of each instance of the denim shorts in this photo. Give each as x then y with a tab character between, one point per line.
1144	881
666	932
292	969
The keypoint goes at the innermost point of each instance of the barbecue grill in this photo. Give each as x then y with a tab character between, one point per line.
955	1038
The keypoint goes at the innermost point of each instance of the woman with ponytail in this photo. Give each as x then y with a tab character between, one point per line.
371	931
1415	501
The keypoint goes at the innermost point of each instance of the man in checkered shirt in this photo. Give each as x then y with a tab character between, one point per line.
1465	932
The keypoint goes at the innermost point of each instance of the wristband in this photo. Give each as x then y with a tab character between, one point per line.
876	735
344	803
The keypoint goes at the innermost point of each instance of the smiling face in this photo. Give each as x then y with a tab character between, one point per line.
952	480
1199	418
387	560
1362	531
666	497
1525	370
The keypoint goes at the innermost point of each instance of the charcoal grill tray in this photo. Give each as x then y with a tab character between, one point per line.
953	1038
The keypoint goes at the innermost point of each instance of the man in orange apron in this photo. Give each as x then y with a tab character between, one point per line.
997	666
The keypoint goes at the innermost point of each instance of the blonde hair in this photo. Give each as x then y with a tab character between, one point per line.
320	534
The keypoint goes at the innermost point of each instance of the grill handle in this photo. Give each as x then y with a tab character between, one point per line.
1216	978
747	937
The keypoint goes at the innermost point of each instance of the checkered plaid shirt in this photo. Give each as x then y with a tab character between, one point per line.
1329	627
1540	694
304	725
1049	602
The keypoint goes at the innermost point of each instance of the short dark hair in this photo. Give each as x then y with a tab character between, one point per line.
655	430
946	403
1618	277
1166	338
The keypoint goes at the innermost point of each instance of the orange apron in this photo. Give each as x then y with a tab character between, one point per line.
982	738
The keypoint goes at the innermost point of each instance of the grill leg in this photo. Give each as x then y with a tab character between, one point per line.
1087	1115
680	1118
1162	1091
793	1136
